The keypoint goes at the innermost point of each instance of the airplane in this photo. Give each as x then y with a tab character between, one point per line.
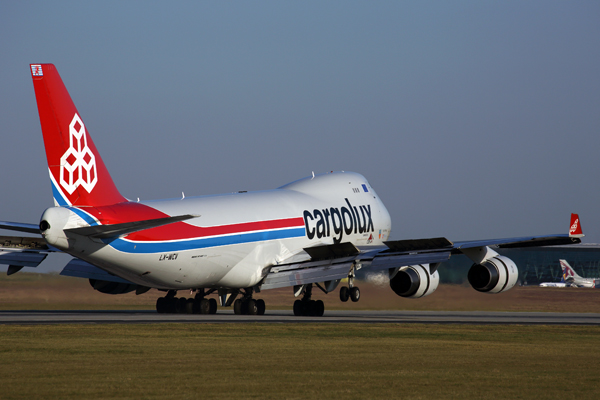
560	284
309	234
571	277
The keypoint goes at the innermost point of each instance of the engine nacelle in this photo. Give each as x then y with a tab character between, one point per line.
112	287
495	275
414	281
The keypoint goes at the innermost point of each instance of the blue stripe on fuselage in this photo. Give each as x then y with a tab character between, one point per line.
85	216
127	246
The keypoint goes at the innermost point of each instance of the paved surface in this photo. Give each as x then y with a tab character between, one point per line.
426	317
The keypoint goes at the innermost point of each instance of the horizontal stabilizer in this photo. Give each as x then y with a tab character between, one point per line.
21	227
117	230
81	269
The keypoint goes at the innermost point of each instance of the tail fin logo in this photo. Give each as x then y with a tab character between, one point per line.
78	164
36	70
574	227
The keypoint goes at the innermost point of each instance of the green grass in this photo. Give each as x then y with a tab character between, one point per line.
349	361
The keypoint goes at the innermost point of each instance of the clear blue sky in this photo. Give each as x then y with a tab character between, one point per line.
472	120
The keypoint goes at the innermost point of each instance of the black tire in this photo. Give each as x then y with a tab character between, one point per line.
319	309
237	307
344	294
161	305
260	307
298	308
189	306
171	305
196	306
212	306
355	294
310	308
180	305
204	306
251	307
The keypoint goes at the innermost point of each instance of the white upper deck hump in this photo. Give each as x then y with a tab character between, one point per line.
322	185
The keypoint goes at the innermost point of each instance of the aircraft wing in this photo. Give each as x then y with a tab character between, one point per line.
334	262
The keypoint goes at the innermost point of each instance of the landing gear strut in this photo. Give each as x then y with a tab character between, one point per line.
306	306
249	306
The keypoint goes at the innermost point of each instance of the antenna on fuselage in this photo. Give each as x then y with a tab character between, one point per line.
313	172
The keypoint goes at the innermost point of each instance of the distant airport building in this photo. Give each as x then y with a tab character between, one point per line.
536	264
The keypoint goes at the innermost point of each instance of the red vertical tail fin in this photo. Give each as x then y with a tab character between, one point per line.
78	174
575	227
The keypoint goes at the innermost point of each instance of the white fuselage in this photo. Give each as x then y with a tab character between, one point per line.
236	237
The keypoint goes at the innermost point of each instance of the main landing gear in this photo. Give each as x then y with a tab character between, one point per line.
350	292
181	305
307	307
249	306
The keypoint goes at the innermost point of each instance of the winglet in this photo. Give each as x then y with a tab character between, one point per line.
575	227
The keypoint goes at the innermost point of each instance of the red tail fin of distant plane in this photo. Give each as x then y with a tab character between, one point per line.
575	226
78	174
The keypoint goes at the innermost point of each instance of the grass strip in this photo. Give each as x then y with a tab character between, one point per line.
295	361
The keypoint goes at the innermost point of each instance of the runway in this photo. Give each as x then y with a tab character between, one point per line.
283	316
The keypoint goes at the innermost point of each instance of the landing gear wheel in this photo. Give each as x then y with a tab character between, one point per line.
310	308
196	307
212	306
180	305
298	308
319	308
354	294
344	294
251	307
260	307
237	307
161	305
189	306
204	306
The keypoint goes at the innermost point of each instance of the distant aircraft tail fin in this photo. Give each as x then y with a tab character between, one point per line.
568	271
575	226
78	174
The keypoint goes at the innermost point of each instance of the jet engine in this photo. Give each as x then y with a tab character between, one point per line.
112	287
414	281
494	275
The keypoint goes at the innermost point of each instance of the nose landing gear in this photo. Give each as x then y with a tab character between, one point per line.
350	292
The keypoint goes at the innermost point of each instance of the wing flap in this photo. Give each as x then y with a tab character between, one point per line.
302	275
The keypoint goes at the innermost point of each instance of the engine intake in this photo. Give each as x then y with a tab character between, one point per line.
414	281
495	275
